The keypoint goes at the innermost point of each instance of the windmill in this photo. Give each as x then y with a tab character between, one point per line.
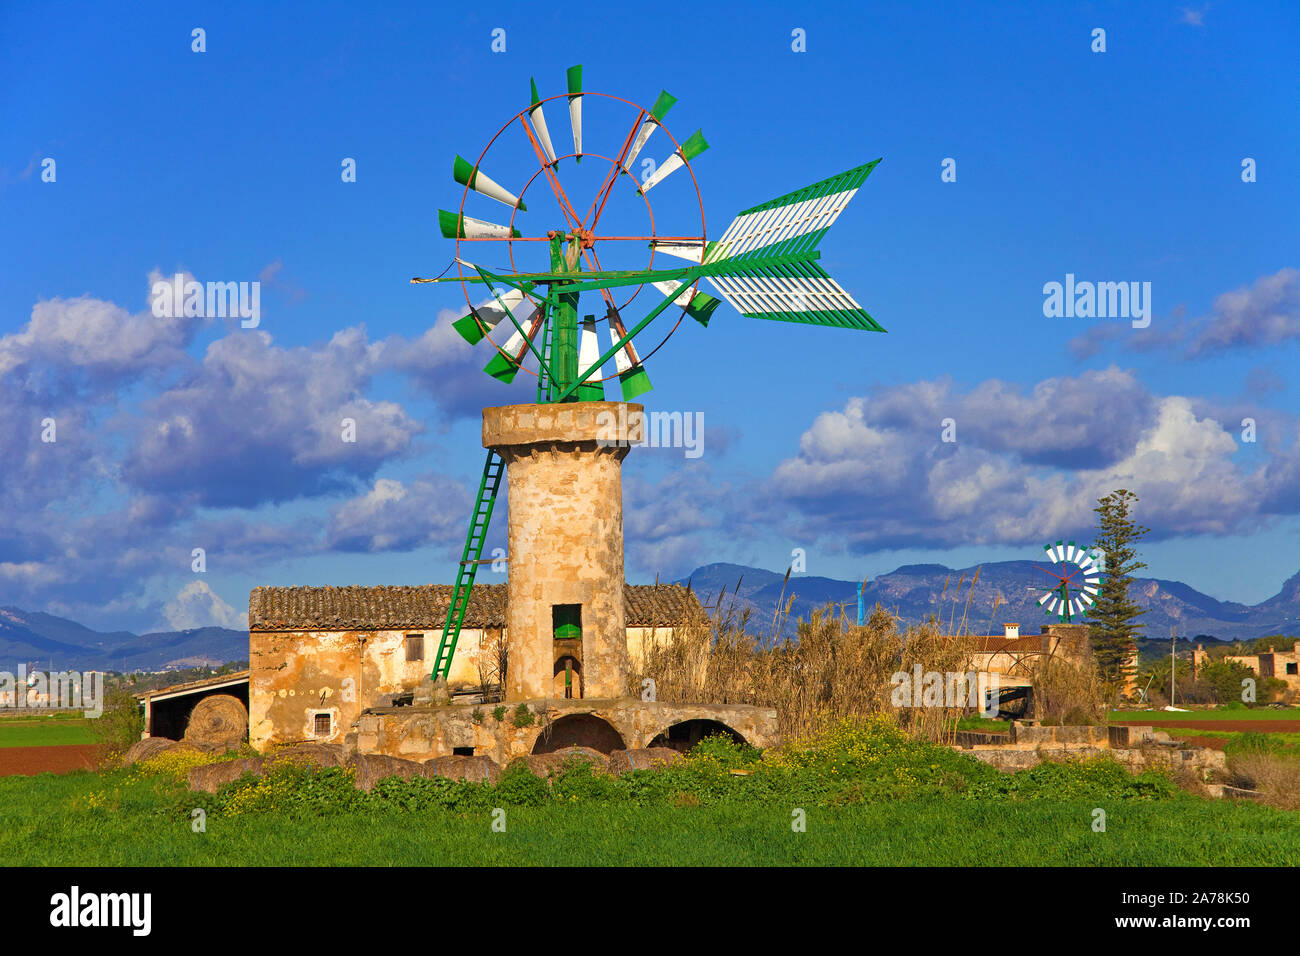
764	264
1059	599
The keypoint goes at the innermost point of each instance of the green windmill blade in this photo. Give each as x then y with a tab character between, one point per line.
684	154
467	174
653	120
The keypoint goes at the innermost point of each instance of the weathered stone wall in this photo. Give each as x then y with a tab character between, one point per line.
424	733
293	675
565	537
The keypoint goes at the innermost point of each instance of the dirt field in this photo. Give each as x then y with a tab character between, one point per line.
33	760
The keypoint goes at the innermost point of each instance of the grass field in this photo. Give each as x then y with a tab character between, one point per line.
45	730
870	796
44	826
1218	713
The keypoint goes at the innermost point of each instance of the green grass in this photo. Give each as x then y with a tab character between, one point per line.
987	724
1239	741
46	824
870	795
45	730
1219	713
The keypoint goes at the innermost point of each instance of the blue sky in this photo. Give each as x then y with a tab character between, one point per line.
1123	165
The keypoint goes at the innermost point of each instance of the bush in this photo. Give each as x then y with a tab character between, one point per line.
119	726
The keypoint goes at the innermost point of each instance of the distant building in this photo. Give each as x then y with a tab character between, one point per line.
319	656
1284	665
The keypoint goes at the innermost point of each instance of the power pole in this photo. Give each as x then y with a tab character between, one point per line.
1173	663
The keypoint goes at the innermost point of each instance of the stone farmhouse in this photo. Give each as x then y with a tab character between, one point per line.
1284	665
320	656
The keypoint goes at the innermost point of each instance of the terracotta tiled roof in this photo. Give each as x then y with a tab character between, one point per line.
425	606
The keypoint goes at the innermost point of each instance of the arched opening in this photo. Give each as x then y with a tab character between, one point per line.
567	684
688	733
579	730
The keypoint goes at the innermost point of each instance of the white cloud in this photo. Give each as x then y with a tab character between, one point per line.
197	605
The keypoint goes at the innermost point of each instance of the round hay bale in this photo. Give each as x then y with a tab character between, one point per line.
147	747
371	768
622	761
317	755
544	765
211	777
479	768
219	719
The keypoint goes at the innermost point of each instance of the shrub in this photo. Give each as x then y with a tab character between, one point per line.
119	726
523	716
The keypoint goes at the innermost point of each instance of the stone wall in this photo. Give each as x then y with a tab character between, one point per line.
424	733
295	675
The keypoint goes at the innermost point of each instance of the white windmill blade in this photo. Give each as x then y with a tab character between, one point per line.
589	348
575	108
793	222
693	146
483	319
456	226
662	104
505	367
692	250
625	357
632	377
517	344
469	175
538	119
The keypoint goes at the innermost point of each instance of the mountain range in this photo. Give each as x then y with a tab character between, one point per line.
47	641
914	591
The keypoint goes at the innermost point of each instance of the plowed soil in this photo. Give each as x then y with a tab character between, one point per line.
33	760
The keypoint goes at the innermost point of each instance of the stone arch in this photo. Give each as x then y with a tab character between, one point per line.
567	681
685	734
579	730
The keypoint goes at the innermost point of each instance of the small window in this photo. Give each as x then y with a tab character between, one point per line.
1291	668
322	724
566	620
415	647
462	751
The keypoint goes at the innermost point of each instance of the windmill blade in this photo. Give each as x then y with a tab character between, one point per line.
662	104
793	223
592	388
484	318
538	119
575	108
693	146
456	226
692	250
505	367
469	175
632	377
698	305
799	291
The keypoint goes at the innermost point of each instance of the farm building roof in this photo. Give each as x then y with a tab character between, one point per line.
425	606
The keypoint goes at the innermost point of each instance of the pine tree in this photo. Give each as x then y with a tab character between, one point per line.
1114	616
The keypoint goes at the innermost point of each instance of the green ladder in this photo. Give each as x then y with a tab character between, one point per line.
493	468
